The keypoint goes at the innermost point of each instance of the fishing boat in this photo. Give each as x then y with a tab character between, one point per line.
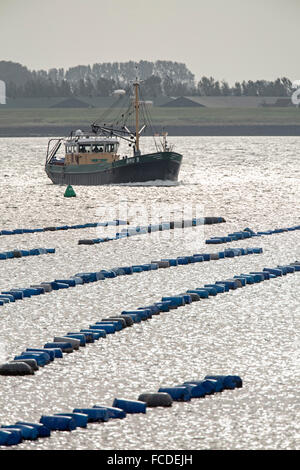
93	158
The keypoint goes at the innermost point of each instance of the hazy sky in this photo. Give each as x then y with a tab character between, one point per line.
228	39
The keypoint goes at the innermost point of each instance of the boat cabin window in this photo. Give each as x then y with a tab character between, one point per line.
84	148
71	148
110	148
98	148
94	148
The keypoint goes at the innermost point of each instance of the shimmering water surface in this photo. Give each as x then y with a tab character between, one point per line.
252	332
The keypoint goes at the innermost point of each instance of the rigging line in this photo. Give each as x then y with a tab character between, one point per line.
120	103
127	118
147	118
125	115
146	112
121	106
128	114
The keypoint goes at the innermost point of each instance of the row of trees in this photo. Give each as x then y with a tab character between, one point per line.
125	72
97	80
47	88
159	78
211	87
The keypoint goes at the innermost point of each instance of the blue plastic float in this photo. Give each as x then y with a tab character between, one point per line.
94	414
27	432
58	423
130	406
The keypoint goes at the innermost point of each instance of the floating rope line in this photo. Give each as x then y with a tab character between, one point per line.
20	231
23	253
85	277
14	434
247	233
100	329
141	230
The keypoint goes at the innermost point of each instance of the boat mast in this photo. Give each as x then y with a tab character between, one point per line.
136	105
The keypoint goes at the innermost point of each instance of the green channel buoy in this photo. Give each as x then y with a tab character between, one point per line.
69	192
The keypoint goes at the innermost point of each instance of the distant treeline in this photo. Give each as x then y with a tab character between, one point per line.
160	78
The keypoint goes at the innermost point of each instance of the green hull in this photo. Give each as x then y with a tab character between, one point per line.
150	167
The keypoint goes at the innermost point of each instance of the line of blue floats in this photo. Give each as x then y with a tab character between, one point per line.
200	388
81	278
22	253
100	329
247	233
14	434
19	231
143	229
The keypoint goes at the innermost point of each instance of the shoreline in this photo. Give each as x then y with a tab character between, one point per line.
210	130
